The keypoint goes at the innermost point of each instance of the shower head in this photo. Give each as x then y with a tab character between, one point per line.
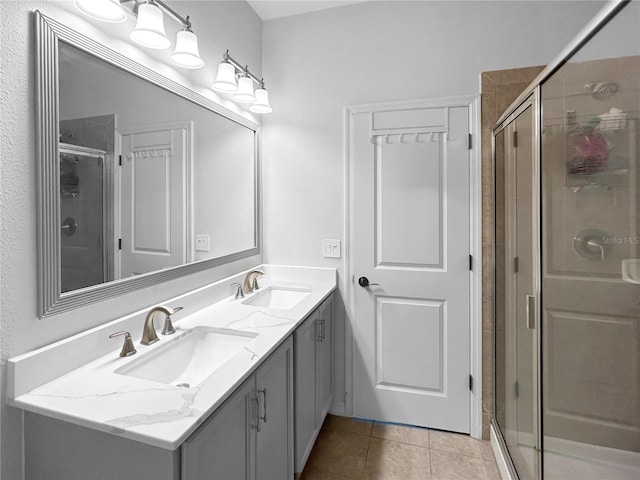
602	90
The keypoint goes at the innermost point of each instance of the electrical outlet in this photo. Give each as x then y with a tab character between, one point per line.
331	248
203	243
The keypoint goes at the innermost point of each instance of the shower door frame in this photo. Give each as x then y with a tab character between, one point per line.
531	100
108	210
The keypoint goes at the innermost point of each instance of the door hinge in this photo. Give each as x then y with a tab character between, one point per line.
515	139
120	160
119	244
469	144
471	263
516	264
517	389
471	383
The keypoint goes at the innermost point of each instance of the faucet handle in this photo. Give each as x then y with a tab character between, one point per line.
167	328
127	348
239	292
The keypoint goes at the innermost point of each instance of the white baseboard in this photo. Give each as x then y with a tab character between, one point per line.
338	408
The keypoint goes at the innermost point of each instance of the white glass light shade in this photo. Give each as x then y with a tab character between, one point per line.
226	79
186	54
149	31
245	91
103	10
261	105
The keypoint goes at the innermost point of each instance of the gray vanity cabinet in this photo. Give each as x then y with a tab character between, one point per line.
60	450
313	379
223	446
251	435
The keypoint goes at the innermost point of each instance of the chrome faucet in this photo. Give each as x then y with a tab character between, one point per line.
251	281
149	334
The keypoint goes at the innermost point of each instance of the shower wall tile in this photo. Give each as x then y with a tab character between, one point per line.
524	75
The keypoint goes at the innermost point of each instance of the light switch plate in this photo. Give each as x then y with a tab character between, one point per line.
331	248
203	243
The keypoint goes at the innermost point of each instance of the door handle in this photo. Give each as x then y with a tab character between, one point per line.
264	406
364	282
256	399
531	312
322	329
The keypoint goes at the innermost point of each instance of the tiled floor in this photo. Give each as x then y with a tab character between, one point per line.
350	449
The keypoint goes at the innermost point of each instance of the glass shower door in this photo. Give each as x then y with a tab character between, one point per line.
516	289
591	258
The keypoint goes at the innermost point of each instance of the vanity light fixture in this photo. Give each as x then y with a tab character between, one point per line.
103	10
226	79
244	94
261	105
149	31
186	54
228	70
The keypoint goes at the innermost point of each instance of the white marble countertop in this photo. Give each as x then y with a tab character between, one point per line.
162	415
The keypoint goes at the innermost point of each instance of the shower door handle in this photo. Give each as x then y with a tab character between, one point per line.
531	312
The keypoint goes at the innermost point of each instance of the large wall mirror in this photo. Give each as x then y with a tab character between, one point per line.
141	180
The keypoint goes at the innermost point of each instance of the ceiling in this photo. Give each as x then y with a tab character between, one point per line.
270	9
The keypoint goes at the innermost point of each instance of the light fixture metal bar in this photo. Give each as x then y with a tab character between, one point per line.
244	69
132	7
185	21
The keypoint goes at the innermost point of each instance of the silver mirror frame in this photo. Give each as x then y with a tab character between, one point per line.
51	299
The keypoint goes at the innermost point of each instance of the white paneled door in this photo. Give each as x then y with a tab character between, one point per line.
410	241
154	191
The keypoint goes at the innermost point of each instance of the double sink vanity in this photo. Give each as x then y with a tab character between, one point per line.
230	387
239	390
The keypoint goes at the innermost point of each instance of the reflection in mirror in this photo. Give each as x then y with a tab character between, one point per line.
141	179
184	185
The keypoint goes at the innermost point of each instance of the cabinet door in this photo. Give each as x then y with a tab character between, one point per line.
274	382
305	386
324	387
222	448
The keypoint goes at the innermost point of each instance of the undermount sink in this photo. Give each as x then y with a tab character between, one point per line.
187	360
282	298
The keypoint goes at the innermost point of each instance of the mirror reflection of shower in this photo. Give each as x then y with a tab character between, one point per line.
84	258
